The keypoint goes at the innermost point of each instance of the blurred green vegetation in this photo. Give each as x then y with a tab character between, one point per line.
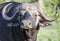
49	33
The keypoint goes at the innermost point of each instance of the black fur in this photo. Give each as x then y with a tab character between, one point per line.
15	33
10	33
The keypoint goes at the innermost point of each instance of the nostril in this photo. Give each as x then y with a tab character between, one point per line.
29	23
35	15
22	23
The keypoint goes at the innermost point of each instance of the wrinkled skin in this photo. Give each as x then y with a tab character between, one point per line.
29	17
22	34
35	18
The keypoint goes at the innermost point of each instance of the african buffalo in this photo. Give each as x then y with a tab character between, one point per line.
21	21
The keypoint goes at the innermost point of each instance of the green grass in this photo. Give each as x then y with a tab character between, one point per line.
51	33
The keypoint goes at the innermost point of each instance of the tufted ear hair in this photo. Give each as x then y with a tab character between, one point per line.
10	11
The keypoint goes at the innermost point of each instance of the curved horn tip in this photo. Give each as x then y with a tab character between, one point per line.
4	11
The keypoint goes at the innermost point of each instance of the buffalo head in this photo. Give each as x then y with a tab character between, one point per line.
31	15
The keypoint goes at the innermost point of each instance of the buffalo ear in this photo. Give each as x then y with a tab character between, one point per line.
44	23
